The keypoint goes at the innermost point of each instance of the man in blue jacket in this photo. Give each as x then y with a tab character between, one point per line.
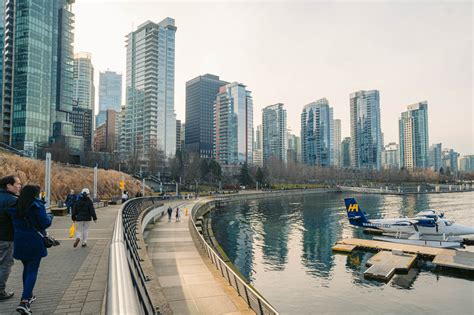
10	187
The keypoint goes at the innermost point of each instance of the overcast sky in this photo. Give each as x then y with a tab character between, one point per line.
295	52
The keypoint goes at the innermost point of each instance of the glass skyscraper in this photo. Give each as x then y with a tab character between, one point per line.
435	160
150	120
317	133
337	142
38	54
110	94
233	125
275	139
366	134
413	126
201	94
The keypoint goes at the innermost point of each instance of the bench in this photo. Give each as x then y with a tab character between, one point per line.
59	211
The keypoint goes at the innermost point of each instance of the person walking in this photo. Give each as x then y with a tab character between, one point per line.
83	212
30	219
124	196
71	199
170	211
178	214
9	190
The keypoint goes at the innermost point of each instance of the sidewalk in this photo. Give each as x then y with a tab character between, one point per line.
190	283
71	280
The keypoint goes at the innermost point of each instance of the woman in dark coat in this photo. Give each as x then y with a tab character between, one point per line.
82	214
29	218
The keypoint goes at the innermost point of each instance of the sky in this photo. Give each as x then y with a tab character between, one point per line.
296	52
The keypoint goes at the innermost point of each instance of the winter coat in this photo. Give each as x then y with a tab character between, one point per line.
83	209
27	243
7	200
70	200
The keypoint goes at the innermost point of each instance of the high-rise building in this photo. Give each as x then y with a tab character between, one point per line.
183	137
450	160
150	120
337	142
317	133
366	134
435	161
294	149
258	147
233	125
82	119
346	152
84	89
413	126
37	102
275	141
178	134
106	134
391	156
201	93
466	163
110	94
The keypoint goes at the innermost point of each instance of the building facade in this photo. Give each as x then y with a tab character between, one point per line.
201	93
275	140
37	80
110	94
317	134
413	127
391	156
178	134
346	152
84	89
233	125
435	161
82	120
450	160
106	134
366	134
150	120
294	149
337	143
258	147
466	163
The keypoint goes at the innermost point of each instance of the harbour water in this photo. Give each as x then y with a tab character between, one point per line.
283	247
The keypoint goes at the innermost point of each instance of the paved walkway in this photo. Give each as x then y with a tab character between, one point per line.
71	280
190	282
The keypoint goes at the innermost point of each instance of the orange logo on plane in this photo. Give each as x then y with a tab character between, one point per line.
353	208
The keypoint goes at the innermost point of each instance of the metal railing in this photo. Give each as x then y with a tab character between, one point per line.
254	300
126	288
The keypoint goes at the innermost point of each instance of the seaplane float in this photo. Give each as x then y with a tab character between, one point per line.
426	228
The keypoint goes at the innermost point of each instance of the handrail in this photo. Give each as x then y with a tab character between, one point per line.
126	289
254	300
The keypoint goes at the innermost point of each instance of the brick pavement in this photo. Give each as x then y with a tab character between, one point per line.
71	280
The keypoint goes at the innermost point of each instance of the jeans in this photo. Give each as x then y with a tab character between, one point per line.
30	273
6	263
82	230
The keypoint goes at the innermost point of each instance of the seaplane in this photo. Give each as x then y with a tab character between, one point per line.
426	228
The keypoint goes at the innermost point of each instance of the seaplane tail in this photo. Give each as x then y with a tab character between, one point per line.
355	213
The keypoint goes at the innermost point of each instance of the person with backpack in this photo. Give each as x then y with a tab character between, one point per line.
71	199
82	214
30	221
10	187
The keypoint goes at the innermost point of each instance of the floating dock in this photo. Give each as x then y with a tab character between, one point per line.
442	257
384	264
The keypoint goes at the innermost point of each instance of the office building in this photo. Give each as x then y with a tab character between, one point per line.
413	126
391	156
435	161
337	143
346	152
275	141
317	133
294	149
149	118
201	93
110	94
84	89
106	134
233	125
366	134
37	81
449	159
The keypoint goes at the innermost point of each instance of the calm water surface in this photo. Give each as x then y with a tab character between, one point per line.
283	247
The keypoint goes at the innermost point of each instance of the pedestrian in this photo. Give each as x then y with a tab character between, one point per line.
9	190
82	214
71	199
30	221
178	215
124	196
170	211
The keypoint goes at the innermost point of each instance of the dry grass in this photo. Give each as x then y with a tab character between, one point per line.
64	178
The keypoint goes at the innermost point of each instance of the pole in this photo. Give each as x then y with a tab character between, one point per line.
95	181
47	180
143	187
176	188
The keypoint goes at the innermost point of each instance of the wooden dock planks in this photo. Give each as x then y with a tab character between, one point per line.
384	264
442	257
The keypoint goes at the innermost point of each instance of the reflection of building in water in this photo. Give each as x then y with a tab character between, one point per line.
274	216
319	236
